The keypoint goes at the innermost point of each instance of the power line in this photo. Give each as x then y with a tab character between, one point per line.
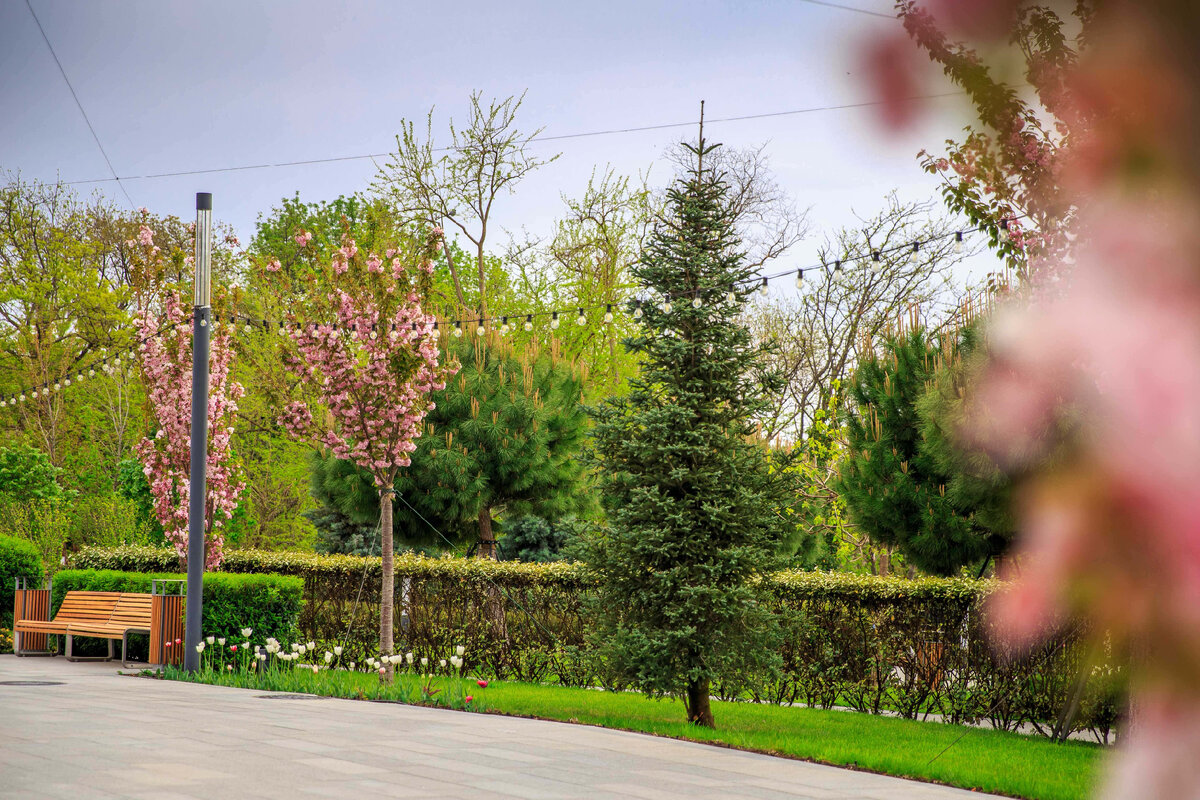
849	8
78	104
560	137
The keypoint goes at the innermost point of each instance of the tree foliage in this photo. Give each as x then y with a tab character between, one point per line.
692	501
895	486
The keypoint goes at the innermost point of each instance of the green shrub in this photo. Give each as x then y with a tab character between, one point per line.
916	647
44	523
269	604
107	521
18	559
27	474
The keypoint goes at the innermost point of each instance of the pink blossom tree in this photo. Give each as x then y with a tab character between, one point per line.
1093	376
165	353
364	356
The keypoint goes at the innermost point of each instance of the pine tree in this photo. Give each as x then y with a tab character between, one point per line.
692	503
895	487
503	438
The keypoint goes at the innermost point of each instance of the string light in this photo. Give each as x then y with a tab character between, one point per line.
731	295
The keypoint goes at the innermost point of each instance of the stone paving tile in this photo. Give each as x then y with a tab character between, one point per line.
103	736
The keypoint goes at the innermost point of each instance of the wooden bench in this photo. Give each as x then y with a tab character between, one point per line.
103	615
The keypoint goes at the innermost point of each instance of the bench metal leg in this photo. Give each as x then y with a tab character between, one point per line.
70	657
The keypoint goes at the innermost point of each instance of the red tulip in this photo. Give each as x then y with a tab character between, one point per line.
482	683
469	698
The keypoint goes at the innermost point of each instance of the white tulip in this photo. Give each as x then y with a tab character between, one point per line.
246	632
408	657
424	661
328	656
312	646
295	647
337	651
351	665
442	663
211	639
221	641
245	645
229	667
459	651
200	647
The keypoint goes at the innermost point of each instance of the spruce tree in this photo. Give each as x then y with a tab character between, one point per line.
692	504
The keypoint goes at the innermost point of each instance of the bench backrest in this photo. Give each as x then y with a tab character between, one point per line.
87	606
132	610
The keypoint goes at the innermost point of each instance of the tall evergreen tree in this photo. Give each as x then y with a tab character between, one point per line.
693	506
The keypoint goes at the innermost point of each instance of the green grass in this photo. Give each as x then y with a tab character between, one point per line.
985	760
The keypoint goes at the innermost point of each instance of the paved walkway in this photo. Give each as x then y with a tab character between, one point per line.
99	735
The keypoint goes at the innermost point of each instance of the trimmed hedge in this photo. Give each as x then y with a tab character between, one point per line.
270	604
912	647
18	559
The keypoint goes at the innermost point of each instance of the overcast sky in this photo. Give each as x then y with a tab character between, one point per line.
173	86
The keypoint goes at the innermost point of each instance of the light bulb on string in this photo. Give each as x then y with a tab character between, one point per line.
731	296
915	256
57	386
1004	229
958	243
581	320
837	269
457	329
666	305
479	329
529	322
799	279
608	315
66	381
762	289
875	262
503	325
637	310
554	321
697	302
91	373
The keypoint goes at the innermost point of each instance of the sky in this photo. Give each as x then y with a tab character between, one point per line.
172	86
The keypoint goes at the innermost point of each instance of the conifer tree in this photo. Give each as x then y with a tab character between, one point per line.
693	507
503	437
895	486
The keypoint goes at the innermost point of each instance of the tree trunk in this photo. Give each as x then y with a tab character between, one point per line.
487	539
389	584
699	708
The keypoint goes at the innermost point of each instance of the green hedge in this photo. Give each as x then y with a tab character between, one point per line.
913	647
269	604
18	559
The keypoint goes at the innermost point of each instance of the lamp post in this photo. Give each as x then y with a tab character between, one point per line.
201	325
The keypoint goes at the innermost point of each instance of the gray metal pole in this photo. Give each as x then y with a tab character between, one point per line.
201	325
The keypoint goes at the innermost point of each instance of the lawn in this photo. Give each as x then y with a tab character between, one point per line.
985	760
